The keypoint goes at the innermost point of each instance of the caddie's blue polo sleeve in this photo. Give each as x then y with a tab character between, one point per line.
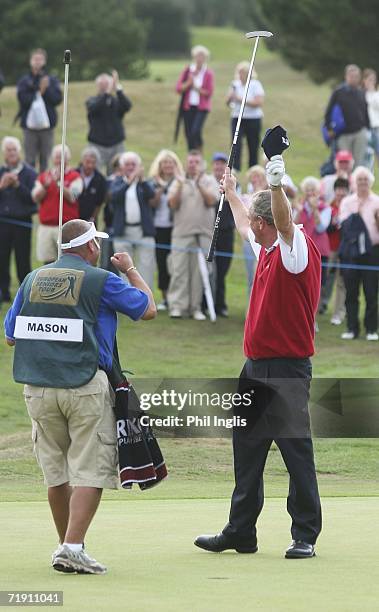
10	318
121	297
117	296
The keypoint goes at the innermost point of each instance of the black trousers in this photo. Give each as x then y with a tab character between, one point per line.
225	242
17	238
193	124
163	236
251	129
250	448
369	279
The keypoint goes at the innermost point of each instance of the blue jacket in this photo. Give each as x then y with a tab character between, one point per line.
17	203
145	192
28	86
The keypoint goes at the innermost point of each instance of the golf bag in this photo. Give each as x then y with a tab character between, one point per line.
140	458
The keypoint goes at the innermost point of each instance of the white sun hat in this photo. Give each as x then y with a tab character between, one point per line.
84	238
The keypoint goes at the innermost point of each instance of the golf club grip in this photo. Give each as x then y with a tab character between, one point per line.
212	247
232	155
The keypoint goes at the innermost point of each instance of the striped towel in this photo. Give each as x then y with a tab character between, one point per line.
140	458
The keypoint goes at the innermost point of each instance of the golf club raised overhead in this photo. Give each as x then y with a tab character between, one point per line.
257	35
66	61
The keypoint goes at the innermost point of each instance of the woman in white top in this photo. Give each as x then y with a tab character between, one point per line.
370	84
165	168
252	116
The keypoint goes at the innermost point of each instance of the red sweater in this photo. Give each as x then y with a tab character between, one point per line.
320	239
335	237
281	317
49	207
208	85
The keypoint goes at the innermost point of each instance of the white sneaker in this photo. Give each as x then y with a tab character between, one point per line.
373	336
199	316
348	336
68	561
336	321
56	552
175	313
162	306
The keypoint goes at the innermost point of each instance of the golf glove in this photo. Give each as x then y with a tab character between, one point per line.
275	170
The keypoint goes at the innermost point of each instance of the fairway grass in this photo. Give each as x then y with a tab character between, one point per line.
202	468
153	565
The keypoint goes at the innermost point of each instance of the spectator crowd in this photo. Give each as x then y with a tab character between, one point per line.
165	217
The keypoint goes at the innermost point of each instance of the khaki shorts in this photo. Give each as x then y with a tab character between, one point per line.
74	433
47	247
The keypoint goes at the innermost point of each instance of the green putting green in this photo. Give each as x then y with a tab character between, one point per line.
153	564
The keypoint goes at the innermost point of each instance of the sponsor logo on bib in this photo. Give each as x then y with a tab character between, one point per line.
57	286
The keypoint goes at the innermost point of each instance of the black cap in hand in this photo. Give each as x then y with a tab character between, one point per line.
275	141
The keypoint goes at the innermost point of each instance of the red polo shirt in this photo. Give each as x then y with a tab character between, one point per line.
281	316
49	206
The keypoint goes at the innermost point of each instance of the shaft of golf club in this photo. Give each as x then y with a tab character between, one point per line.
232	154
67	59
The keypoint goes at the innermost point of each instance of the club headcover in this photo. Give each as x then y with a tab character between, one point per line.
275	141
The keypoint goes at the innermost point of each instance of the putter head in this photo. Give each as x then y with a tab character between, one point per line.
67	57
260	33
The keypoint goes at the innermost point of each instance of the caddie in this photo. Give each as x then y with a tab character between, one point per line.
63	324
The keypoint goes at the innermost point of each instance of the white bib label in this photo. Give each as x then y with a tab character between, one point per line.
49	328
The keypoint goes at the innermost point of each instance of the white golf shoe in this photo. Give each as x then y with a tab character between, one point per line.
199	316
336	320
348	336
175	313
68	561
373	336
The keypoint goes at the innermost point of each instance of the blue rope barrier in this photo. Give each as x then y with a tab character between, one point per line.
16	222
169	247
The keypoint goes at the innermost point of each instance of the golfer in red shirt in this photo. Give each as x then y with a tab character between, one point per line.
278	344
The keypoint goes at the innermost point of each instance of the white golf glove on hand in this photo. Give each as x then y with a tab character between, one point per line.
275	170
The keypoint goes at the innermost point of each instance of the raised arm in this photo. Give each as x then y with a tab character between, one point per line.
124	263
280	205
228	185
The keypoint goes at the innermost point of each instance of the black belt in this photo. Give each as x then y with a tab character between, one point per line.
133	224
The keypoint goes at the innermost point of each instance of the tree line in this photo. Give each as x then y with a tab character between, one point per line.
317	36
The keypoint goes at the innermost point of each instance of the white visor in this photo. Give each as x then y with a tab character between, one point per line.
84	238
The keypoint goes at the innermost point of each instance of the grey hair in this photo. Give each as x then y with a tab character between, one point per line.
102	76
261	206
310	182
130	155
12	141
366	172
91	152
58	149
200	49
